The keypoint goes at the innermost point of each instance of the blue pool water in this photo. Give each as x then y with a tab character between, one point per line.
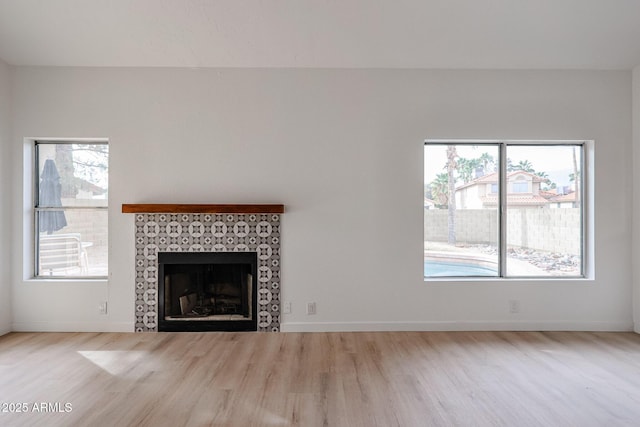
440	269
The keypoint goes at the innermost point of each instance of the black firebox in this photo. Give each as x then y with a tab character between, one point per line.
207	291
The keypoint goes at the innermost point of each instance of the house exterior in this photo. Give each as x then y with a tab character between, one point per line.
429	204
568	200
523	190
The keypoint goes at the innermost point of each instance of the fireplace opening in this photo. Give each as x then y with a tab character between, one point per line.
207	291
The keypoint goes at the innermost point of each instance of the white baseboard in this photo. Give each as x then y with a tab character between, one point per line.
455	326
4	331
354	326
72	327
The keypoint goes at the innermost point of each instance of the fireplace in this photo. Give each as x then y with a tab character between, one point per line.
204	229
207	291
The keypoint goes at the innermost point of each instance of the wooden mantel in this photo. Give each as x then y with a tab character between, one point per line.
191	208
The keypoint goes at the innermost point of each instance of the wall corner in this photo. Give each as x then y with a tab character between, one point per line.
635	242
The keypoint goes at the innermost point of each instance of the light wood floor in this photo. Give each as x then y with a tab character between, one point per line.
332	379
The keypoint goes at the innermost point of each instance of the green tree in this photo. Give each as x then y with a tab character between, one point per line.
467	167
525	166
440	190
488	163
548	184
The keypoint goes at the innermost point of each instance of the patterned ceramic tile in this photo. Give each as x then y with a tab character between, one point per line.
207	233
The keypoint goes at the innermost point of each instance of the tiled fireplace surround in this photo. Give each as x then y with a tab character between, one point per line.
207	232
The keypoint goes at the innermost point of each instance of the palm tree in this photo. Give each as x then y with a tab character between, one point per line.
524	165
440	189
546	181
576	177
467	168
452	154
485	160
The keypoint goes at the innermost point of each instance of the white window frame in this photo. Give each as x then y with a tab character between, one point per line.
587	210
36	208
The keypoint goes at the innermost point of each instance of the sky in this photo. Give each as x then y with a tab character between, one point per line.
556	161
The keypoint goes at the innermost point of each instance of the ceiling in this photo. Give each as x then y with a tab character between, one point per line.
502	34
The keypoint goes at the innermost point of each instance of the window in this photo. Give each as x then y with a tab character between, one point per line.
71	207
520	186
530	223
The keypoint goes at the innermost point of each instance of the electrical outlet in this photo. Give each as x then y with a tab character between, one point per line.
286	307
514	306
311	308
102	308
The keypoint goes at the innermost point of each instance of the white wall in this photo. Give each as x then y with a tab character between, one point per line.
5	202
636	199
343	150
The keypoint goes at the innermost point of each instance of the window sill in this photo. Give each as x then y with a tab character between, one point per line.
554	280
69	280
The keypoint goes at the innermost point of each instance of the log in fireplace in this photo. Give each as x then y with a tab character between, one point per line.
207	291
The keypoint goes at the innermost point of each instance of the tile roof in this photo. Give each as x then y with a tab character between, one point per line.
516	199
570	197
493	177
